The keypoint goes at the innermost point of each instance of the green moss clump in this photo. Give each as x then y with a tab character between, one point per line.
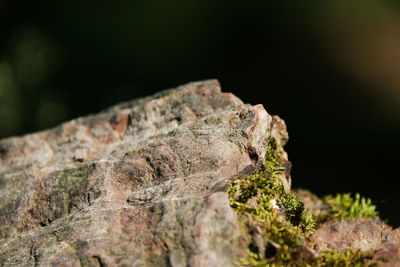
343	207
351	257
261	198
266	209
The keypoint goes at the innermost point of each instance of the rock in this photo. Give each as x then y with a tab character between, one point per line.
139	184
389	250
364	234
144	183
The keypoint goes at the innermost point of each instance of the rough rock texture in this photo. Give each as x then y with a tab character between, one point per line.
140	184
143	184
362	234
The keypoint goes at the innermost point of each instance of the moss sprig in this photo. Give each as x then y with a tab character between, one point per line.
262	198
345	207
350	257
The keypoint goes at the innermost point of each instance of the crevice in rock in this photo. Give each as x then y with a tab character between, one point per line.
99	261
33	254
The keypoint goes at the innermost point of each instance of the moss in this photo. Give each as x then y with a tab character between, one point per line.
266	209
351	257
262	198
294	208
344	206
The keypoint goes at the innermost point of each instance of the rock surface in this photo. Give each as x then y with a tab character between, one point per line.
143	184
362	234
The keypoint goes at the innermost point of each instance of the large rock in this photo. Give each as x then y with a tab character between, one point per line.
144	184
140	184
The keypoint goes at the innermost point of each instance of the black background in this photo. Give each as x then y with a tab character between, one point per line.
291	56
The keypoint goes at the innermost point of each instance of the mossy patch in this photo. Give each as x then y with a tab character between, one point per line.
345	207
261	199
278	225
351	257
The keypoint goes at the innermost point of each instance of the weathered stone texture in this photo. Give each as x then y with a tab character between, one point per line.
365	234
143	184
139	184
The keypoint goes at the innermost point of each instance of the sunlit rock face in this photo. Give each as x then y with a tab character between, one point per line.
144	183
139	184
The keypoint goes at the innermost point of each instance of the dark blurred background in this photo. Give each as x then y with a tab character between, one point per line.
330	69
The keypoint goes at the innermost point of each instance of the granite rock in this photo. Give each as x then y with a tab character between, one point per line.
144	183
139	184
